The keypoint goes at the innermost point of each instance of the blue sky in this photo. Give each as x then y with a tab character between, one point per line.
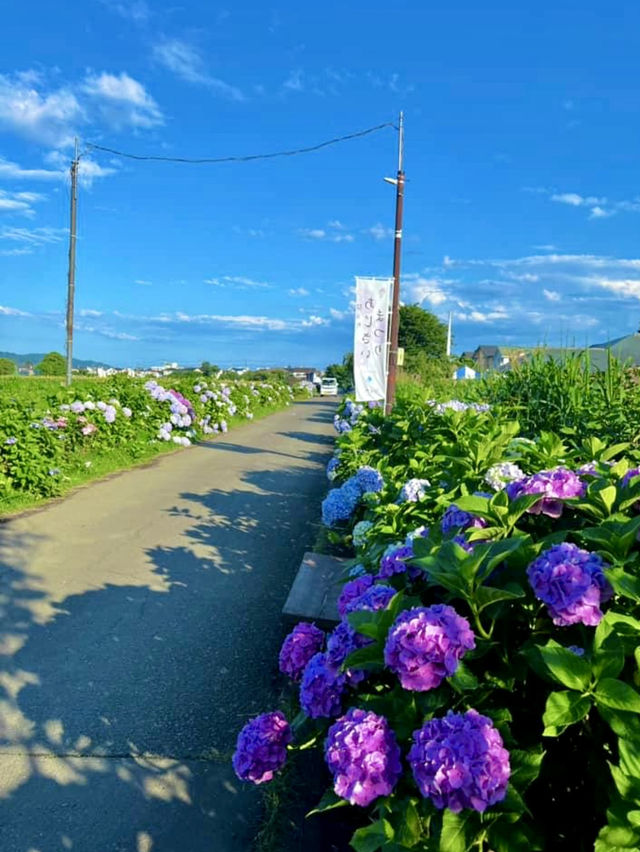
523	194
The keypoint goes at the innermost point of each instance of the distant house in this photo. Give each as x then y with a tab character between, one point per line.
489	358
465	372
625	349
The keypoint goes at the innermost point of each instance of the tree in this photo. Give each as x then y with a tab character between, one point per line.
342	372
421	331
7	367
53	364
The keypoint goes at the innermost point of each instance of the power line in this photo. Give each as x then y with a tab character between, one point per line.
241	159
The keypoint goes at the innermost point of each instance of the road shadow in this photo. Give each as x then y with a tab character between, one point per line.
120	705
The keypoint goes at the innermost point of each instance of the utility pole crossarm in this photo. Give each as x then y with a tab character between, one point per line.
71	279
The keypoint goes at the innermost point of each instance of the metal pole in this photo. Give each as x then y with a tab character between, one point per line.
397	251
449	334
71	280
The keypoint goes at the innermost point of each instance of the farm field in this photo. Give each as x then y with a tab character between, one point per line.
481	690
53	438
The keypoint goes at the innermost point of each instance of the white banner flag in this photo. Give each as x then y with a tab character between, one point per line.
370	338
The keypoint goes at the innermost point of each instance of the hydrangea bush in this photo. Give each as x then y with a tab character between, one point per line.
48	432
482	689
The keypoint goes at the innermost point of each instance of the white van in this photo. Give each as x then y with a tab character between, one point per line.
329	387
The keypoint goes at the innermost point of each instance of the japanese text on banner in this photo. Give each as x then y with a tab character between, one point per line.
370	338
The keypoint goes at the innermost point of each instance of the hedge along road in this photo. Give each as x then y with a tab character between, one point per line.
139	622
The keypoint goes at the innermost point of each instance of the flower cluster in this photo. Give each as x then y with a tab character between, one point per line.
571	582
261	749
554	486
455	519
363	756
352	590
395	561
426	644
501	474
341	642
369	479
376	597
413	490
304	642
322	688
332	468
359	533
460	761
458	405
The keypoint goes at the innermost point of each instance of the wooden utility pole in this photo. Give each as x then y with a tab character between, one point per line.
397	252
71	279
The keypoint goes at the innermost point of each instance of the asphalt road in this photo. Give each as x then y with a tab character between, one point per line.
139	629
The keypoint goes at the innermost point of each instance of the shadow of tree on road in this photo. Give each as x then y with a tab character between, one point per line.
119	705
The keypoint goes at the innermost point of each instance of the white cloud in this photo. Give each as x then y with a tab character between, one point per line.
552	295
33	236
12	171
379	232
336	314
314	320
185	61
238	282
323	234
337	224
294	82
89	312
136	11
142	282
418	289
12	312
483	317
571	198
47	118
18	202
598	212
298	291
123	101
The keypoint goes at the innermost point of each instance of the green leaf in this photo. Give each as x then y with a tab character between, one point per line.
612	451
616	839
629	751
566	667
463	680
562	710
369	657
364	623
607	497
608	656
327	803
525	767
455	833
618	695
410	831
487	595
627	786
624	584
372	837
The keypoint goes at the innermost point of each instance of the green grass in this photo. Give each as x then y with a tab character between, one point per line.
106	464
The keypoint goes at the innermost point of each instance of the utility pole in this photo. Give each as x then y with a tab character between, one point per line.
449	334
397	251
71	280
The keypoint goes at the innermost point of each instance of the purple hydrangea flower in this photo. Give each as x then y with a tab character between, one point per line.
425	645
629	475
460	761
304	641
571	582
375	598
461	539
395	561
369	479
413	490
11	441
554	486
352	591
456	519
341	642
261	748
321	688
419	532
576	649
363	756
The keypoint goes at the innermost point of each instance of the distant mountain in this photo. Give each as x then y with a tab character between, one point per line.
35	358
